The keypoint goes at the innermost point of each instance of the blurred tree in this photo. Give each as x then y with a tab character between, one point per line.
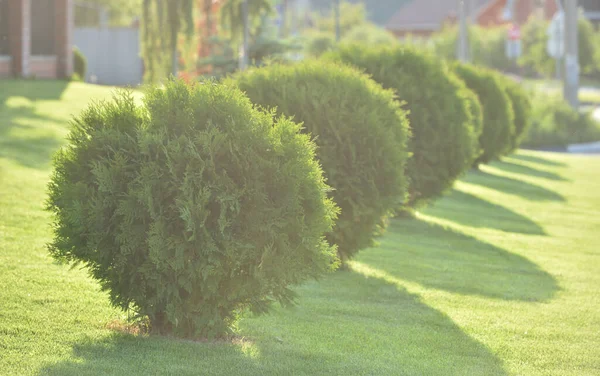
351	16
162	21
120	12
232	16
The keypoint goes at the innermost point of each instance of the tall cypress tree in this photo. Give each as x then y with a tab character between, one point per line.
162	21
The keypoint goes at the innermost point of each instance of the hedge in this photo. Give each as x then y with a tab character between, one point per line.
192	207
444	138
361	133
498	116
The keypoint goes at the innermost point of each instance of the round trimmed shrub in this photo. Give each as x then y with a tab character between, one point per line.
191	208
361	134
370	34
79	64
444	139
319	43
521	105
498	116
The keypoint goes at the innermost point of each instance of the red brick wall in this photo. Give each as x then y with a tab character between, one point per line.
64	32
22	63
43	66
492	14
20	31
5	66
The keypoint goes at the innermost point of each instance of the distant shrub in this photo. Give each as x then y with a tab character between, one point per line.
535	58
79	64
498	116
444	139
361	134
589	47
192	207
488	46
371	35
319	43
555	124
521	105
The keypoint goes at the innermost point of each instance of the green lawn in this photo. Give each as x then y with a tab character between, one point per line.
501	277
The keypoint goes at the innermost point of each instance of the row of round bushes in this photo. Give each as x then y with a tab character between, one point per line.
213	198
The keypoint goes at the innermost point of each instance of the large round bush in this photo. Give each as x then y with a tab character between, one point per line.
192	207
444	139
361	134
498	116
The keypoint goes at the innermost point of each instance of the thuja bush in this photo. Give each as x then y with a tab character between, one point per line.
521	105
444	138
498	116
191	208
476	113
361	134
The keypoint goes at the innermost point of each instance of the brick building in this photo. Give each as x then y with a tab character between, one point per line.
35	38
425	17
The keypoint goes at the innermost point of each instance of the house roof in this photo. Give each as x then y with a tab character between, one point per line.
378	11
590	5
428	14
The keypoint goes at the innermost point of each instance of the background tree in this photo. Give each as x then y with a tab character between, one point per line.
232	16
162	21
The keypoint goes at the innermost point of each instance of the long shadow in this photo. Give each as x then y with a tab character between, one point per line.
467	209
517	168
512	186
536	159
18	142
348	324
439	257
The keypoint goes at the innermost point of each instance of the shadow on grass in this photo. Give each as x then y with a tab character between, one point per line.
470	210
27	147
517	168
512	186
348	324
441	258
536	159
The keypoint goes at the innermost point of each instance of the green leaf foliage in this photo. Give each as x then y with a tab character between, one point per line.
361	133
192	207
498	116
444	139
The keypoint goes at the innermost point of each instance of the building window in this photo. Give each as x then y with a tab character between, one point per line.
42	27
4	42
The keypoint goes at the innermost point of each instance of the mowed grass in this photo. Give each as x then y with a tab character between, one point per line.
501	277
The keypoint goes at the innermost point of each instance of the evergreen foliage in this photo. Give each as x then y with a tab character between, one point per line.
192	207
521	105
498	115
360	130
444	139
